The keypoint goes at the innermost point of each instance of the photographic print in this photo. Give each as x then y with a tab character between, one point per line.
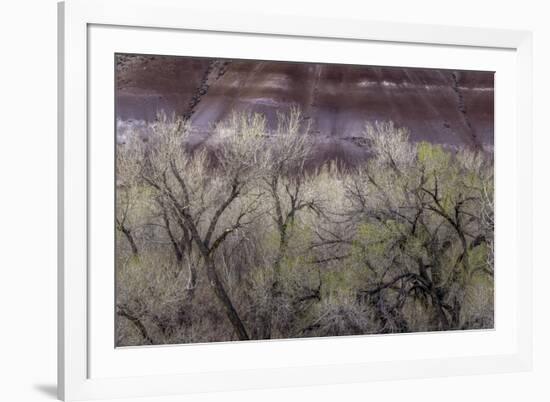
261	200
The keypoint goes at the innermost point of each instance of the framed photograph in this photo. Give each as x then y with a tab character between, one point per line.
254	201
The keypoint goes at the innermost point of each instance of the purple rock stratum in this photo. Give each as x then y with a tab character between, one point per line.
453	108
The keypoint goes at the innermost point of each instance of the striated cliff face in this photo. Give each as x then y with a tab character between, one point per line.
454	108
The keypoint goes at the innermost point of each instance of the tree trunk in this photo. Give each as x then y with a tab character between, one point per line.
440	316
130	239
220	292
137	323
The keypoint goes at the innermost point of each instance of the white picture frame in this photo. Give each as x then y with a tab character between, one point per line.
86	25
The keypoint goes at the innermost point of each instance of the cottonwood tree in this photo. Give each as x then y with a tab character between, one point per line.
242	231
417	209
207	198
127	189
285	180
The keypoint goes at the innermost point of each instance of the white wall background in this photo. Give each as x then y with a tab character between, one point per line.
28	199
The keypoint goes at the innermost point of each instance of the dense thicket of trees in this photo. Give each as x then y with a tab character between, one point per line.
242	239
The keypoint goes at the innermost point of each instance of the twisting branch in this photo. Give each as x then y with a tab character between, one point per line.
123	312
